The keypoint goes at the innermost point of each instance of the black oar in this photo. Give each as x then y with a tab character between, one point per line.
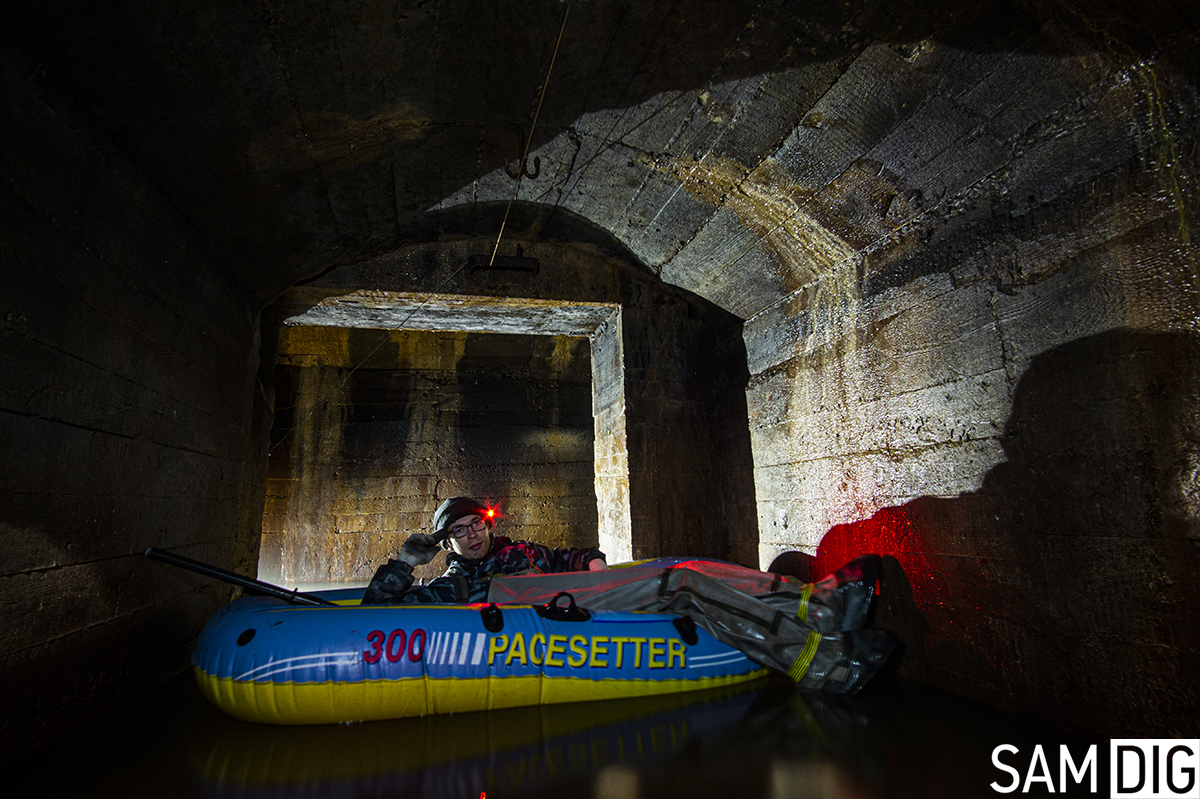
257	586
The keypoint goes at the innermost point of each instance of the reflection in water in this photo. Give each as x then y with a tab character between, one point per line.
513	752
761	741
616	782
897	739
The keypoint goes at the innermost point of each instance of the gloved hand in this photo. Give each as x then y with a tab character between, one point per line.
418	550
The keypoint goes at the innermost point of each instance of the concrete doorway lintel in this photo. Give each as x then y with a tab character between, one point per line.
445	312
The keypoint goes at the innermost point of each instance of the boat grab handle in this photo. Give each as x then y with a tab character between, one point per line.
686	626
555	612
493	619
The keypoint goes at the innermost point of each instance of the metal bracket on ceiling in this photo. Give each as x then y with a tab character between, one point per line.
504	263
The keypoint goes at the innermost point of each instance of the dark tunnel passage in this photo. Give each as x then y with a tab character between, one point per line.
501	416
807	281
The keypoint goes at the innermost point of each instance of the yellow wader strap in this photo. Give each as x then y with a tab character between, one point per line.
802	608
804	659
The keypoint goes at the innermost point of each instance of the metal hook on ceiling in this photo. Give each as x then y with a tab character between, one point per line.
537	164
523	167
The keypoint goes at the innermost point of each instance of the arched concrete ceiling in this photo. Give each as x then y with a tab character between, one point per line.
737	149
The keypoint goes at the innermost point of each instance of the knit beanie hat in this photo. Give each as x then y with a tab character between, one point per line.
454	509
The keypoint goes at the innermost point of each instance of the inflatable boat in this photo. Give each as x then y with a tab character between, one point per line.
261	659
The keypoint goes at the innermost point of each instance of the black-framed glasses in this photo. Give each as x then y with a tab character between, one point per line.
463	530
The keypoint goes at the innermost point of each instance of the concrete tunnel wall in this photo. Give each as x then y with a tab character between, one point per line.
134	415
964	259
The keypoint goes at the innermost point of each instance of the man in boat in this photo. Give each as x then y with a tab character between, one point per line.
812	632
463	526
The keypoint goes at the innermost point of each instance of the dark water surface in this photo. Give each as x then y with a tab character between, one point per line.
896	740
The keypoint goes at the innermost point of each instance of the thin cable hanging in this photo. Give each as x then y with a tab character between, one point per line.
516	187
529	141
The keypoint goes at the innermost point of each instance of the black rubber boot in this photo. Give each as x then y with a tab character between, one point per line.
845	662
840	601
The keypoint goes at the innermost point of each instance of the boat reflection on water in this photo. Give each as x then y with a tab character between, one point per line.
504	752
760	740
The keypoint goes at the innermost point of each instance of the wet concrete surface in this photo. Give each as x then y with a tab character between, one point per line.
897	739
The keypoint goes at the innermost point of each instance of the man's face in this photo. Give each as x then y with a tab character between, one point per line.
470	537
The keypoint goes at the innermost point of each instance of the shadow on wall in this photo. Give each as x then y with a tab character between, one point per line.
1065	588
